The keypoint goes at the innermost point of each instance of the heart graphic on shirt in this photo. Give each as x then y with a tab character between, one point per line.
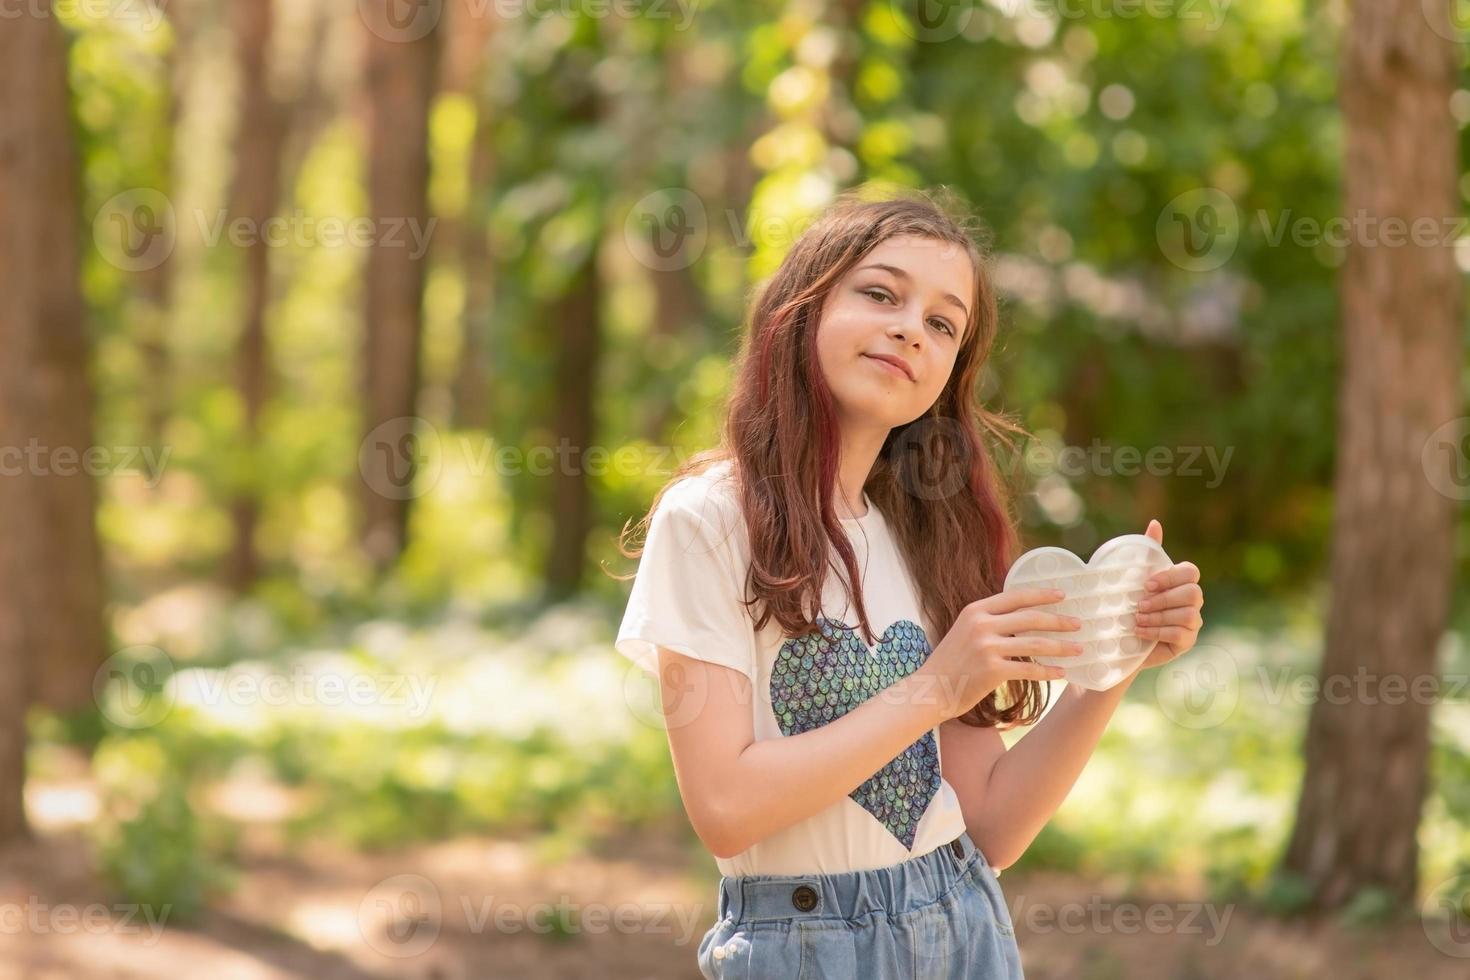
822	676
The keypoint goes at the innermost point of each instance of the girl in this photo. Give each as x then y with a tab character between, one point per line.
848	777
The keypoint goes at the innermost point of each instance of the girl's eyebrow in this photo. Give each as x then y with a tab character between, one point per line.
898	273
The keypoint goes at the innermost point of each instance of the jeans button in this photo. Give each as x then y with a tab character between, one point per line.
958	848
804	898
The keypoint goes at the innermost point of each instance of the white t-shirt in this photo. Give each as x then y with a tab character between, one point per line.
686	597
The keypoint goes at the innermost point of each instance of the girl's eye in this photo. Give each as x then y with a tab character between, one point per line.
882	295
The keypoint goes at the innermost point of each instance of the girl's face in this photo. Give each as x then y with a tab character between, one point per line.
905	301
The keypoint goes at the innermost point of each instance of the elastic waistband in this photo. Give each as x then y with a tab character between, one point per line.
895	889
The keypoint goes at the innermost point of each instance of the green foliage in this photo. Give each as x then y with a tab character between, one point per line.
1371	907
1286	894
1070	135
153	844
162	858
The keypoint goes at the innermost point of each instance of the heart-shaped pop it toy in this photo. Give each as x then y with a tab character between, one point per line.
1104	594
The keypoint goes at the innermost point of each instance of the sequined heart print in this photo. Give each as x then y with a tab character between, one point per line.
824	675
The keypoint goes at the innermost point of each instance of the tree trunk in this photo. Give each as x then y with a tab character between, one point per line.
158	281
401	77
472	377
576	319
72	642
256	192
465	236
679	311
50	567
1392	559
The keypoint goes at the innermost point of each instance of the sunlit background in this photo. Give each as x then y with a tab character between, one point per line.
348	274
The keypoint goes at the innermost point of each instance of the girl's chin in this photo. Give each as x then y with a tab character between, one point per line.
875	413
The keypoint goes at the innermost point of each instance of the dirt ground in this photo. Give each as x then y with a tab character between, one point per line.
487	908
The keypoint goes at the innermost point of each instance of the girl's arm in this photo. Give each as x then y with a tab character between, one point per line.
739	791
1008	796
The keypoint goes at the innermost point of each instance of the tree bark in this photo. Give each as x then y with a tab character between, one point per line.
71	641
256	193
472	376
576	319
1392	559
51	634
467	236
158	282
401	81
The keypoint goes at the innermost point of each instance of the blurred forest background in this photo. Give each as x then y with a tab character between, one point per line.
339	340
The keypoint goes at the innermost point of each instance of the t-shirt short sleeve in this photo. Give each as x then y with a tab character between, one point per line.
689	585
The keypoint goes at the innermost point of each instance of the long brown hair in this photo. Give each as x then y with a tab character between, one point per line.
935	481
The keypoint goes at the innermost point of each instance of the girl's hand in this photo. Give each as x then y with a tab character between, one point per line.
1169	612
981	651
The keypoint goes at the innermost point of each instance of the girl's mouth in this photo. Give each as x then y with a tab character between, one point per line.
889	367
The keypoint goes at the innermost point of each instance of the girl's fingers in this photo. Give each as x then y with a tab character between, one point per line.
1185	571
1038	646
1186	616
1023	620
1026	670
1178	636
1004	602
1189	594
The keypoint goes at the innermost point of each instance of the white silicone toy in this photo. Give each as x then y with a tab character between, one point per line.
1104	594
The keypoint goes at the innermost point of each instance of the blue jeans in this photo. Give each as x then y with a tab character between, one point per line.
940	915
